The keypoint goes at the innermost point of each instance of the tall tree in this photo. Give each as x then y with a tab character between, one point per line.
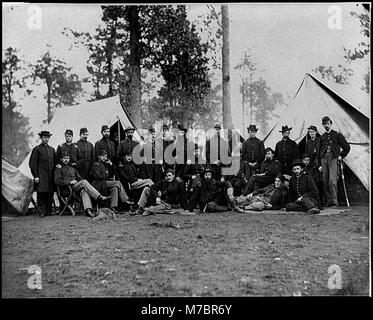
247	68
173	45
63	87
342	74
15	129
227	113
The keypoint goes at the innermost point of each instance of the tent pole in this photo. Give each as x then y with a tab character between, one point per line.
118	129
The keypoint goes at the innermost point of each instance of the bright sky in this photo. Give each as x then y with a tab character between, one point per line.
288	40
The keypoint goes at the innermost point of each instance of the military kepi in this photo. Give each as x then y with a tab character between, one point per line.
83	130
65	154
69	132
102	153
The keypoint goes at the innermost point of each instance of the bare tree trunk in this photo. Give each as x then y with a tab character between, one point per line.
135	59
227	114
49	107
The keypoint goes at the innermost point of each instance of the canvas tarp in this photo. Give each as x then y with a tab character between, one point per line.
89	114
16	188
313	100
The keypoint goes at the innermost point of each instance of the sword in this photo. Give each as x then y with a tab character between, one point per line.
344	183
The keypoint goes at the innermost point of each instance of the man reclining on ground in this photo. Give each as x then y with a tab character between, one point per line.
272	197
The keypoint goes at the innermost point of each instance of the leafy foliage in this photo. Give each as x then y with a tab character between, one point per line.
15	128
63	87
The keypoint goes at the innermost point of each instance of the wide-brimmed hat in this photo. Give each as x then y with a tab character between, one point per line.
285	128
217	126
169	170
129	129
205	170
305	155
297	162
44	134
252	127
269	149
314	128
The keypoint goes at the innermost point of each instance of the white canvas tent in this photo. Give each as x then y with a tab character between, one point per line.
16	189
89	114
313	100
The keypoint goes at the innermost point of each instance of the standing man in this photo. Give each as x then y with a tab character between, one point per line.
42	164
106	144
70	147
286	151
303	193
128	144
332	142
217	149
67	175
253	151
86	155
313	146
182	146
152	170
103	183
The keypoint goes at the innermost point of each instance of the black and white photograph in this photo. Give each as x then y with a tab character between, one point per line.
188	150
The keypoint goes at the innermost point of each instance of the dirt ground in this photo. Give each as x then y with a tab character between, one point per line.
221	254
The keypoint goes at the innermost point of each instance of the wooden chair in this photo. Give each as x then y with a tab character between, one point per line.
66	198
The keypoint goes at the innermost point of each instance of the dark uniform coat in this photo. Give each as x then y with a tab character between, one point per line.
101	172
303	186
107	145
207	191
336	141
126	145
277	197
128	172
253	151
313	172
86	158
73	151
173	193
42	164
313	148
153	170
182	146
286	151
64	175
217	148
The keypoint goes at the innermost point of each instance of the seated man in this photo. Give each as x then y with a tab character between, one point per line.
170	194
303	193
65	175
311	169
128	173
191	173
209	193
269	169
101	181
273	197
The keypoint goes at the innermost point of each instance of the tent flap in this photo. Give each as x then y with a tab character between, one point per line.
17	188
315	100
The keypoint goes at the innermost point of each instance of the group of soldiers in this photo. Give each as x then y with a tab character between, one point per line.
170	173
